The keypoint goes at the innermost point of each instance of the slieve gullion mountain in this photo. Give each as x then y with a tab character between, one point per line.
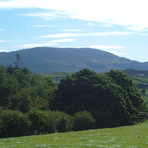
51	60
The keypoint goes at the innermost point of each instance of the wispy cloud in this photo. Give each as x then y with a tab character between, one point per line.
71	30
1	50
42	26
2	29
120	12
118	53
10	41
2	41
106	47
90	24
117	50
137	28
50	43
62	35
45	15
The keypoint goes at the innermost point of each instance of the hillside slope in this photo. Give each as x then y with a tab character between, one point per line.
50	60
122	137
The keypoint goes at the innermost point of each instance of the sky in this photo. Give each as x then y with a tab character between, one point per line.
116	26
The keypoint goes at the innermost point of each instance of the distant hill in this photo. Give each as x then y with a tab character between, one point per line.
50	60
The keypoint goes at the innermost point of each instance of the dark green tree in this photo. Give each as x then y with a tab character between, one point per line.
128	86
143	91
18	63
99	94
8	87
39	121
13	124
83	121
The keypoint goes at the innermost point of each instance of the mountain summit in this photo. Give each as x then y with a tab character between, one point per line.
50	60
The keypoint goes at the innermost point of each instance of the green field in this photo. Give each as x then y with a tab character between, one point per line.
139	80
145	96
135	136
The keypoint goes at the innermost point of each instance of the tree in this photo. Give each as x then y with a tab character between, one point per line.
99	94
18	63
8	87
39	121
49	121
143	91
128	86
83	121
13	123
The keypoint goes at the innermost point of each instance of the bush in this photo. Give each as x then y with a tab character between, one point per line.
49	122
13	124
105	119
1	128
63	121
39	122
83	121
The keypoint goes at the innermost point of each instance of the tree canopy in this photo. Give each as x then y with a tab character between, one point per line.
111	96
83	100
22	90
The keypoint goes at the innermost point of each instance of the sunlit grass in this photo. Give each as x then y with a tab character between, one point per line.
135	136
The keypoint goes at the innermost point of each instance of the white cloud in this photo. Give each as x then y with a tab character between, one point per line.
90	24
2	30
111	49
86	34
71	30
51	43
106	47
10	41
121	12
45	15
1	50
2	41
137	28
42	26
117	53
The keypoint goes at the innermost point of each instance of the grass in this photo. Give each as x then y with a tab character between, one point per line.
140	80
56	77
135	136
145	96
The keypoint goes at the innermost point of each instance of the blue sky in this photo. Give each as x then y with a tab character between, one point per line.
116	26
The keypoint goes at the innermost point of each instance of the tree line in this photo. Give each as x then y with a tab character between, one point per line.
33	104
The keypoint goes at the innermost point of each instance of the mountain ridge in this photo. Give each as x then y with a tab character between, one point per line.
52	59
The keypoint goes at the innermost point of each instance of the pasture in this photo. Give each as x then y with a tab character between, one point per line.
135	136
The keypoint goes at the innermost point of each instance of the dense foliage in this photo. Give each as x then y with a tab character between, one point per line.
33	104
112	97
83	121
22	90
13	123
49	121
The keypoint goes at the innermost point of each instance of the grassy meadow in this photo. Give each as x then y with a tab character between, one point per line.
140	80
135	136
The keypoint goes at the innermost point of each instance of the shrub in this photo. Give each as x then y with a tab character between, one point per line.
83	121
13	124
105	119
49	122
63	121
39	121
1	128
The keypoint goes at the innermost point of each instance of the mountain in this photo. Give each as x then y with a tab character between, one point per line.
50	60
